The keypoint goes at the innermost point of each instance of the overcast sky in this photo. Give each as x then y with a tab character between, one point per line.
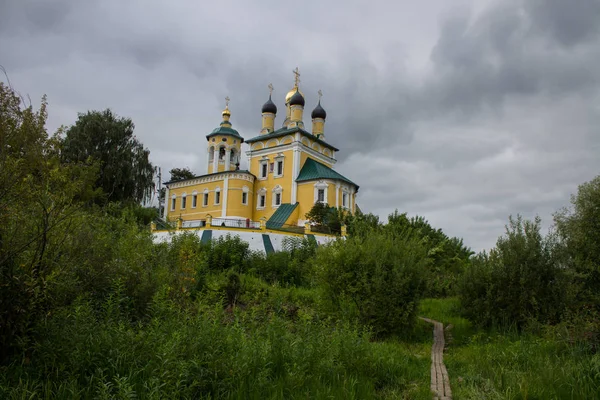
460	111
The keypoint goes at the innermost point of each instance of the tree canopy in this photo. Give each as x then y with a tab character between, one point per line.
126	173
178	174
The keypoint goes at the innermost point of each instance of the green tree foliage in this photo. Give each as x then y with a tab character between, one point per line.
376	279
518	282
449	256
579	230
41	199
126	173
178	174
326	219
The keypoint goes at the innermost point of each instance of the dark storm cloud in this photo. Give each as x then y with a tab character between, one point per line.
490	113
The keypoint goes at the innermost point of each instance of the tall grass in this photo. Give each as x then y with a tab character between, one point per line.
91	352
507	364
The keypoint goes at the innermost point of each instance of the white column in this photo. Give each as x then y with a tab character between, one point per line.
295	172
227	159
216	160
224	199
167	204
337	195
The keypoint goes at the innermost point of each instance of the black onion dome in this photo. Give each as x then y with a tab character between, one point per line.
269	107
318	112
297	99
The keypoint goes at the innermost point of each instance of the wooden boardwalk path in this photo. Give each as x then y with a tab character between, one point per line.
440	383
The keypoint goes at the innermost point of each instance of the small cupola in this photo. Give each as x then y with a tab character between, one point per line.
269	110
318	116
297	99
269	107
318	112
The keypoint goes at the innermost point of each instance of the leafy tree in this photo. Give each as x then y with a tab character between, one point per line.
41	200
449	256
178	174
579	230
126	173
327	219
518	281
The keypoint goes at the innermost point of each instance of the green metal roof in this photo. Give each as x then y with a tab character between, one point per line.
224	130
286	131
281	215
312	170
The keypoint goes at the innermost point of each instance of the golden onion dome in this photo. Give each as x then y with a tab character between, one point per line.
226	112
291	93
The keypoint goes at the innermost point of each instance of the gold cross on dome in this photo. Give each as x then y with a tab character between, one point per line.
227	102
320	94
270	88
297	77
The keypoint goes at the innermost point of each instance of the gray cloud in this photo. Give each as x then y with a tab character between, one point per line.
463	115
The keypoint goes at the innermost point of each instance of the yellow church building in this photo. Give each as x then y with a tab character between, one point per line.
289	170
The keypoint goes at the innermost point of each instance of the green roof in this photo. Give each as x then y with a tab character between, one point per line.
312	170
224	130
281	215
286	131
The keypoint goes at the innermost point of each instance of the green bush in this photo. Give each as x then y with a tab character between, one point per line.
520	280
376	280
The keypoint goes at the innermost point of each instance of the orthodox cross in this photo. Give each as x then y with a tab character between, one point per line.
320	94
297	78
227	102
270	88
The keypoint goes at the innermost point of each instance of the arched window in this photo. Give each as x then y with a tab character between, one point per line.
221	153
211	153
194	199
217	196
277	194
245	191
233	157
183	200
261	200
205	198
173	202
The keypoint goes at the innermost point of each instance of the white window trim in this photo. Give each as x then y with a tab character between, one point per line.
261	192
324	186
279	159
183	201
277	190
205	196
264	161
217	190
246	191
194	196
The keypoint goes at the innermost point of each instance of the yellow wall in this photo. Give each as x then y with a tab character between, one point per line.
200	211
235	208
271	182
306	197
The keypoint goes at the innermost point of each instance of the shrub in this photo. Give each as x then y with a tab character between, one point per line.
376	280
518	281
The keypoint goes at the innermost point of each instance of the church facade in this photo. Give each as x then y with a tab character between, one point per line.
289	170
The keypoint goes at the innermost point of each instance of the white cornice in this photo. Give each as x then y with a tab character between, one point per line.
212	178
290	146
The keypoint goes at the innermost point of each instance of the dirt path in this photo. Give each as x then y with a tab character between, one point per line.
440	383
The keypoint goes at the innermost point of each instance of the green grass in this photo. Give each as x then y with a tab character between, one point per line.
260	351
488	364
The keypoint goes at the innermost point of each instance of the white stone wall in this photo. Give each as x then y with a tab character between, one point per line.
253	238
